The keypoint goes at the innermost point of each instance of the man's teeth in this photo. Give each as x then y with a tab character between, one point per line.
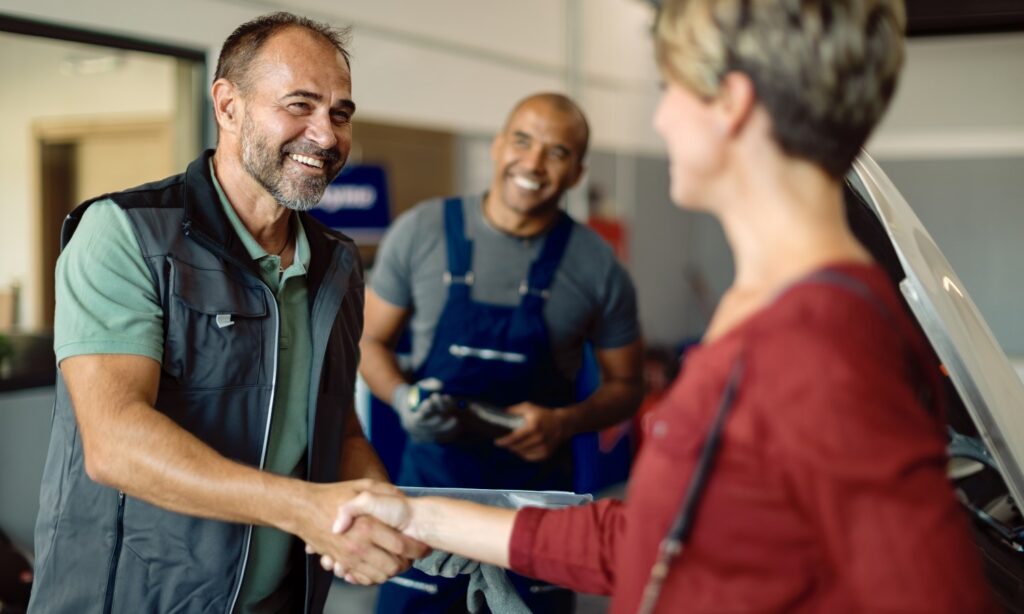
525	183
307	160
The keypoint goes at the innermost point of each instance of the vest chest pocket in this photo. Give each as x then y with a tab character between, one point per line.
214	329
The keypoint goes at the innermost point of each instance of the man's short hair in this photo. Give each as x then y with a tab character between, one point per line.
562	104
825	70
244	44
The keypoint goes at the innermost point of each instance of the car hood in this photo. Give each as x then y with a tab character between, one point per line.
991	390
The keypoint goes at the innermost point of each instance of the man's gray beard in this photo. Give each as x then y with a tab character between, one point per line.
310	197
265	166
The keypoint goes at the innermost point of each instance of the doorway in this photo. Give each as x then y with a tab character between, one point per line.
92	113
82	160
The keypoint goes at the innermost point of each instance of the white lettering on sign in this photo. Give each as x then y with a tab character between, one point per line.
337	197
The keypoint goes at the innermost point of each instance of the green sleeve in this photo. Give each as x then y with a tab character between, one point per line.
106	298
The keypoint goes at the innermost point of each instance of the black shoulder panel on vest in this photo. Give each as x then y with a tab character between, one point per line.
139	196
166	193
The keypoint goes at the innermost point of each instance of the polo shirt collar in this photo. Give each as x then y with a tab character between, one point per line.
255	250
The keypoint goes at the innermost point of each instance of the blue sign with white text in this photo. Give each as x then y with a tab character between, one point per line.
356	203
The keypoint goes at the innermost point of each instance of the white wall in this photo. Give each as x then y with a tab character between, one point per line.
35	89
454	64
621	90
959	97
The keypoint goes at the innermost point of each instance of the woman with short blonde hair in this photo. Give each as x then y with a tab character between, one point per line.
797	464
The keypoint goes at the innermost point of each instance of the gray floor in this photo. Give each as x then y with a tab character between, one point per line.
348	599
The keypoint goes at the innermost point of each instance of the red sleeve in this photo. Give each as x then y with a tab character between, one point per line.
867	462
573	547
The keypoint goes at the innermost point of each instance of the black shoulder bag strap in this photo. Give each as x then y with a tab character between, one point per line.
675	541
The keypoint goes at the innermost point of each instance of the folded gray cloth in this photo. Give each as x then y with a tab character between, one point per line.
446	564
487	583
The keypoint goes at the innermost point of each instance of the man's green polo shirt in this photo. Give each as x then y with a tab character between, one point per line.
107	304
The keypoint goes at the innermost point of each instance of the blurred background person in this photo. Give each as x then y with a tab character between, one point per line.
500	292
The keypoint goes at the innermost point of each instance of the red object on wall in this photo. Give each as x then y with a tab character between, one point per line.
614	232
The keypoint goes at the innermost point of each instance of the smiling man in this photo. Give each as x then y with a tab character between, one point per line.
206	336
500	293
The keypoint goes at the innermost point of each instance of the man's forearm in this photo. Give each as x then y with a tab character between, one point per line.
131	446
358	458
379	368
152	458
618	396
611	403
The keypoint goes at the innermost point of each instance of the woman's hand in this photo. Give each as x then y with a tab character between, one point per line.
366	492
391	508
471	530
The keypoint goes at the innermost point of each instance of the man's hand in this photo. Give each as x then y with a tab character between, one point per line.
370	552
543	430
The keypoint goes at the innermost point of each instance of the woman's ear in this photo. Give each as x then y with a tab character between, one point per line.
735	102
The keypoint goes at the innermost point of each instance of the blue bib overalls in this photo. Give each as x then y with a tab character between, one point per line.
501	355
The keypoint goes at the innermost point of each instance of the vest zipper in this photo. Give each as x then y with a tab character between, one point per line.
266	440
217	249
309	453
115	556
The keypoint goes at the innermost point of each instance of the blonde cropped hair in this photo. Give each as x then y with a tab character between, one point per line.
825	70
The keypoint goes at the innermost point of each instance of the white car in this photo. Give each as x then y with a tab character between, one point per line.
984	395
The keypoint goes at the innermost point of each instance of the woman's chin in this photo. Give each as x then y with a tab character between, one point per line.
685	201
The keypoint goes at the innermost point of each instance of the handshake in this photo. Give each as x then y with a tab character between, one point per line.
362	530
384	530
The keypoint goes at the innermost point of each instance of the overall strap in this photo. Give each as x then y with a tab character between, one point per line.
459	276
542	271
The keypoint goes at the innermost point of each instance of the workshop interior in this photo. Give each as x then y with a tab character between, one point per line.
100	96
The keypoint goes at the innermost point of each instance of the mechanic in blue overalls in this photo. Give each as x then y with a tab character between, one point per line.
500	292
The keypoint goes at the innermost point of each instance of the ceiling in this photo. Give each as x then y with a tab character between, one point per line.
940	17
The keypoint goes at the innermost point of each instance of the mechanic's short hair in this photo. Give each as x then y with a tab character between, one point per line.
563	104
